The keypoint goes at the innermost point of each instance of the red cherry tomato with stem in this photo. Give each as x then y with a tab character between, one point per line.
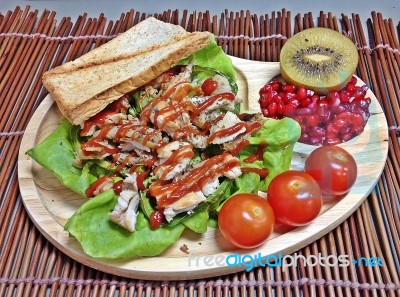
246	220
295	198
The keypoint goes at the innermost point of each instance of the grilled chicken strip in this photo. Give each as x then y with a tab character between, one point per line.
173	159
116	114
125	212
199	182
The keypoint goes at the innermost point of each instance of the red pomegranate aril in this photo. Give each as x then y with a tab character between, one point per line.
269	98
330	119
357	130
332	96
304	138
332	129
364	114
272	108
314	98
298	119
337	109
288	88
295	103
304	128
358	95
322	111
346	137
313	107
275	85
305	102
346	129
344	96
289	110
291	96
350	88
304	111
317	132
333	140
358	119
363	103
334	102
263	101
265	89
280	106
316	140
301	93
284	97
342	119
277	99
322	102
340	123
353	80
312	120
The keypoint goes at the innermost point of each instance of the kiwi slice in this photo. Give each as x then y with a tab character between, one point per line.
319	59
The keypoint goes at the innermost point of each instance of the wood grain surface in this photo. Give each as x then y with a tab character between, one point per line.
49	204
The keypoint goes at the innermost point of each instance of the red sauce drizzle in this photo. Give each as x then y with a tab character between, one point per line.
193	182
99	119
210	101
145	114
117	187
182	153
140	177
263	173
240	146
96	143
124	163
258	156
98	183
250	127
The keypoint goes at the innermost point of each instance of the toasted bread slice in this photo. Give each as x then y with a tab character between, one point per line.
88	84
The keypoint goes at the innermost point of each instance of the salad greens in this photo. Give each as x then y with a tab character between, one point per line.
90	224
100	237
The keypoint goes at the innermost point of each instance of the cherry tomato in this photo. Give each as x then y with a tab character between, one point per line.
333	168
156	219
209	86
295	198
246	220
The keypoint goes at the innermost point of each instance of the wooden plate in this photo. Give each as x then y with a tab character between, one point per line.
50	204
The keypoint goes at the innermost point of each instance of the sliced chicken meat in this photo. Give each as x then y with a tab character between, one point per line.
185	204
125	211
173	159
203	178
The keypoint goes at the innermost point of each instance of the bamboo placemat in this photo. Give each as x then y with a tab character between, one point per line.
32	42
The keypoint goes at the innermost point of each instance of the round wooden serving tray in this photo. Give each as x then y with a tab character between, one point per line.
50	204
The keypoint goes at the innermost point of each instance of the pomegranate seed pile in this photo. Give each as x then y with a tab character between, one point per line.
331	119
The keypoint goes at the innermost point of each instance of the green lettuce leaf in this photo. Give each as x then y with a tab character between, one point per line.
212	56
57	154
280	137
101	238
247	183
198	221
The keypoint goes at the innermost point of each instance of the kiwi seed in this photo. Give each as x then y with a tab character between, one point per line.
319	59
